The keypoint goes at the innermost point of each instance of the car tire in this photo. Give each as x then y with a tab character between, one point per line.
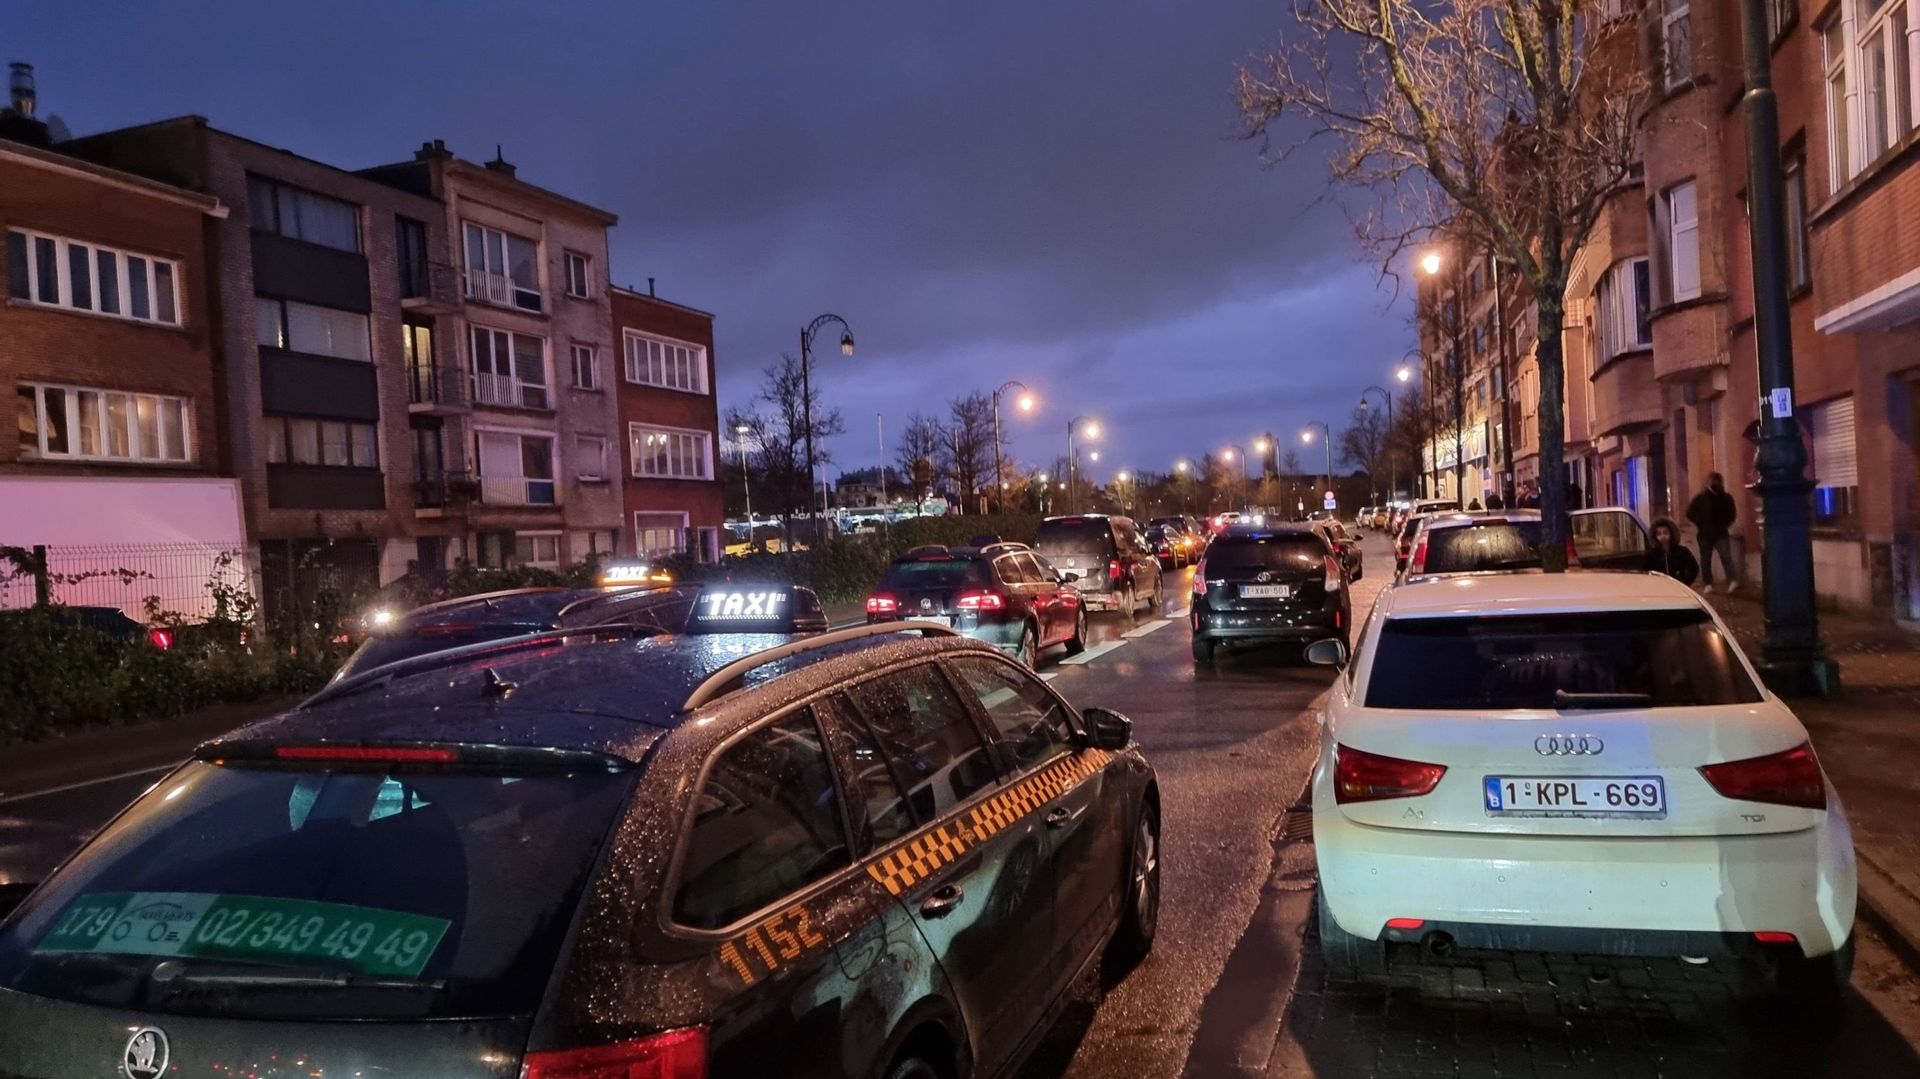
1349	958
912	1067
1077	643
1814	989
1202	652
1029	653
1139	896
1130	603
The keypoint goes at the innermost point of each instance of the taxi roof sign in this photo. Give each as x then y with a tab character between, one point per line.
630	572
743	609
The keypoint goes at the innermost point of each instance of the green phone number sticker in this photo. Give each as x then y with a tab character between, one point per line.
360	939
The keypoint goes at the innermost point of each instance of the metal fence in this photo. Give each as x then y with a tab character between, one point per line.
185	579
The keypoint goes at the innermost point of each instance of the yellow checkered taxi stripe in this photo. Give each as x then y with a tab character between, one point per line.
940	845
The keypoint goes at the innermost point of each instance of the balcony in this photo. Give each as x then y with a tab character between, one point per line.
518	491
434	495
430	287
486	286
506	391
438	388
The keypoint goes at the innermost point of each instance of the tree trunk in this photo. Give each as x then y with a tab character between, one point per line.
1553	393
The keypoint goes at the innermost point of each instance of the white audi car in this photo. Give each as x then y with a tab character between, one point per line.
1579	762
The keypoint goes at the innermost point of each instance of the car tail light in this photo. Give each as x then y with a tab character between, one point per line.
161	638
1115	570
1200	578
1790	779
981	601
1405	923
1418	563
677	1054
882	605
1359	776
1775	936
395	754
1333	573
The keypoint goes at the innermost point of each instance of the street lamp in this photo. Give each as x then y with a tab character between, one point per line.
1026	403
1307	436
1393	475
1180	469
1233	454
806	403
1122	479
1088	427
746	487
1431	263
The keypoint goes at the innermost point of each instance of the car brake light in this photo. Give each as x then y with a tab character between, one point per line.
1775	936
882	605
395	754
677	1054
161	638
1115	570
1418	563
1790	779
1359	776
1200	578
981	601
1333	573
1405	923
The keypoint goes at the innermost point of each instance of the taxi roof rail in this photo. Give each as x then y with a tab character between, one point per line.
724	681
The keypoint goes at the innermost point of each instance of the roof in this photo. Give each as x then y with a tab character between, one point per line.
1535	593
54	161
648	297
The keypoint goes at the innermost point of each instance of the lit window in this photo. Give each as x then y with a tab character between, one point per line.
297	440
670	453
81	423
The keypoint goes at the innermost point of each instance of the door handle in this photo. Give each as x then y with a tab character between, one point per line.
1058	816
943	900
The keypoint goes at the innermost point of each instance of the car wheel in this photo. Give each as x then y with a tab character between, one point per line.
912	1067
1348	957
1139	896
1077	643
1816	988
1029	647
1130	602
1202	652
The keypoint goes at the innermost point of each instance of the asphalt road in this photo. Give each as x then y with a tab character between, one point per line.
1235	986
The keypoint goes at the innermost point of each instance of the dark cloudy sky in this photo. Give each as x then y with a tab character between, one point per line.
987	190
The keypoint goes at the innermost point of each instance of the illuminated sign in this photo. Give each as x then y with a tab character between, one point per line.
751	610
628	573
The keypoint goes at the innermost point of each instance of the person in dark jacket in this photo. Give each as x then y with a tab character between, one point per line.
1712	513
1669	556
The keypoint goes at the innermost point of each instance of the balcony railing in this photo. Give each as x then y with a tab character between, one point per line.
508	391
489	287
438	384
429	283
518	491
446	490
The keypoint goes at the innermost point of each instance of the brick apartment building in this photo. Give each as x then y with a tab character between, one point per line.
108	344
515	429
1662	376
670	420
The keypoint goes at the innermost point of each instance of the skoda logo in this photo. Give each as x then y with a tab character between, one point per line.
1568	745
146	1055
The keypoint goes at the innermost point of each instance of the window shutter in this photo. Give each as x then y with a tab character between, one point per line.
1835	462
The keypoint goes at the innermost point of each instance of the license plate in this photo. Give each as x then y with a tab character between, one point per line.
938	619
1266	591
1576	796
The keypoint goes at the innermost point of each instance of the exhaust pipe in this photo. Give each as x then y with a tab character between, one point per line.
1437	945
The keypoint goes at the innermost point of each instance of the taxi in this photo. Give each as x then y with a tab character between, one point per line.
885	852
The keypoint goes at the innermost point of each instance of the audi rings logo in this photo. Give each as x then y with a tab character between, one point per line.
1569	745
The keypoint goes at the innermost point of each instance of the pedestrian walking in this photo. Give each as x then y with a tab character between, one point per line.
1670	556
1712	513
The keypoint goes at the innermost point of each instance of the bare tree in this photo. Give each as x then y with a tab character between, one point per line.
1499	124
969	448
1363	444
922	452
777	429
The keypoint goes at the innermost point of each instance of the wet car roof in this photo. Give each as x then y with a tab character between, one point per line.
528	605
611	693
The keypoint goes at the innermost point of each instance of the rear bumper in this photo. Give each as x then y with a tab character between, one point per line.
1302	626
1627	896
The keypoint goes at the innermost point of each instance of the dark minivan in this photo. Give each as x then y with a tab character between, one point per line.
1117	568
1268	585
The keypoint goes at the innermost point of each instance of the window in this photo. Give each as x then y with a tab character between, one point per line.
502	268
81	423
509	369
294	440
316	331
925	731
1836	465
670	453
586	368
302	215
578	281
766	823
1029	723
1683	241
1839	137
410	252
516	469
1885	75
1623	299
874	782
537	549
1798	260
590	458
1781	15
1676	44
84	277
670	364
657	535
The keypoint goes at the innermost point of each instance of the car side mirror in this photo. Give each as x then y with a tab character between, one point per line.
1108	729
1327	653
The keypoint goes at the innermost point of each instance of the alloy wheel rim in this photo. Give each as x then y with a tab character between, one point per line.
1146	875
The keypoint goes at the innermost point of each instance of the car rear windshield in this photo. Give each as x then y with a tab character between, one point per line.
274	893
941	573
1233	556
379	651
1658	658
1091	534
1475	547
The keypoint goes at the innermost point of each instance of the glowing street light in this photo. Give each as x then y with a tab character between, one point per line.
1026	402
1431	263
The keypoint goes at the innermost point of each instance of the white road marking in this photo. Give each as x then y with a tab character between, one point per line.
1146	629
1093	653
63	788
1048	676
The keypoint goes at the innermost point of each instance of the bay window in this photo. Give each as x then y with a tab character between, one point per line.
501	268
83	423
79	276
1875	64
1624	300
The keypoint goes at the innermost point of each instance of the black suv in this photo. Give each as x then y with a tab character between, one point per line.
1001	593
1117	569
1268	585
609	853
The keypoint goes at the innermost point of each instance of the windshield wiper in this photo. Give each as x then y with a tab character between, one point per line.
1568	702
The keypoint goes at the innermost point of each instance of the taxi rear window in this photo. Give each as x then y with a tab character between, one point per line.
941	573
271	893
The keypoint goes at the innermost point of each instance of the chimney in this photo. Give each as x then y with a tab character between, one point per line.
649	286
20	89
499	163
17	121
435	150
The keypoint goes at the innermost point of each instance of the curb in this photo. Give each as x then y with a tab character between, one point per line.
1890	908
